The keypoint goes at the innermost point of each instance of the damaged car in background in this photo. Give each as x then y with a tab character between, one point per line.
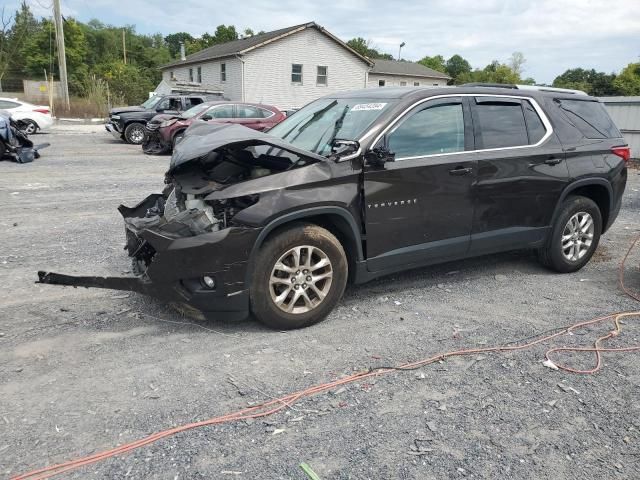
363	184
14	143
165	131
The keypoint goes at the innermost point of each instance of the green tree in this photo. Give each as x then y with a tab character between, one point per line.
495	72
37	47
225	34
437	63
173	42
363	47
14	32
592	82
457	67
628	82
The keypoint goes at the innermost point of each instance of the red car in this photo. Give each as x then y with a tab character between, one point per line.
163	131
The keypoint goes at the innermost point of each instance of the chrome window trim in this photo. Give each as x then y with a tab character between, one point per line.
534	103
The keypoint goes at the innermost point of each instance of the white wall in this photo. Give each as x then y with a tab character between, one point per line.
394	80
268	70
211	75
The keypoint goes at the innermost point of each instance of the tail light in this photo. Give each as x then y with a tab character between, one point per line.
42	110
623	152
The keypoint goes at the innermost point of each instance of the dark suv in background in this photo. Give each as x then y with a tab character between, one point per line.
362	184
128	123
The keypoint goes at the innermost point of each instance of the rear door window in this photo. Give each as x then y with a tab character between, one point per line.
499	123
247	111
589	117
437	129
192	101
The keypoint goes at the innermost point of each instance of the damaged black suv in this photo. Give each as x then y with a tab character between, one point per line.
367	183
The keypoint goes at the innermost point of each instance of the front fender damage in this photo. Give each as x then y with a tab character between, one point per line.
184	243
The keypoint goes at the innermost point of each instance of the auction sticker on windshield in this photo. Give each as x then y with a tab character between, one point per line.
368	106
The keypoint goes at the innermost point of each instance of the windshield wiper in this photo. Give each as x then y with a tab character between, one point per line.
314	117
336	128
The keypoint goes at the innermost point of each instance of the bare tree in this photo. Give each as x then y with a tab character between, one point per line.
516	62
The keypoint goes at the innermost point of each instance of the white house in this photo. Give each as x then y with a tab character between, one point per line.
389	73
289	68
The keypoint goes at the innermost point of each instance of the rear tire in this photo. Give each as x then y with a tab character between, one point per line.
135	133
574	236
300	275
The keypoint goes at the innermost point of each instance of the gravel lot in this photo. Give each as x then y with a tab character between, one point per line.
85	370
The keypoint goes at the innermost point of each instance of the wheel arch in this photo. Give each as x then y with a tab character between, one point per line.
597	189
337	220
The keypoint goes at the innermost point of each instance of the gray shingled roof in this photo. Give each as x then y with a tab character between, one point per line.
241	45
393	67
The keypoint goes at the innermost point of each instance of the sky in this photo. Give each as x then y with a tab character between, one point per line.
553	35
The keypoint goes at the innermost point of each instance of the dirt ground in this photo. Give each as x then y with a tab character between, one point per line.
85	370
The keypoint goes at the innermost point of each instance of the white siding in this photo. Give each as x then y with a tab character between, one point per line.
268	70
394	80
211	75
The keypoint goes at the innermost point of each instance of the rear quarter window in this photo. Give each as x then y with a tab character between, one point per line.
588	117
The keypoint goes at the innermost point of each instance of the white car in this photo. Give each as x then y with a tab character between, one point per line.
37	117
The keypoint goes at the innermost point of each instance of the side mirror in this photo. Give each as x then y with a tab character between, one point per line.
206	117
378	156
341	148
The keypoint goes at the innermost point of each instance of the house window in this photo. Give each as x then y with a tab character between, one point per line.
435	84
381	83
296	73
321	78
403	84
223	72
171	75
191	74
416	84
199	74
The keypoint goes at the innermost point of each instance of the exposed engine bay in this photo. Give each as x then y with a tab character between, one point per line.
185	207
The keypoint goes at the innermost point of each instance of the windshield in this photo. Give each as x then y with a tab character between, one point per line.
151	102
316	126
193	111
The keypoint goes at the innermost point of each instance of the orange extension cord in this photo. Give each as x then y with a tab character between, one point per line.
278	404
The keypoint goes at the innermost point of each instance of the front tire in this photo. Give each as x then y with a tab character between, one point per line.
300	275
31	127
135	133
574	237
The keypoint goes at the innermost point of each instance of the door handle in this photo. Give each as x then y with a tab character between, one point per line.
458	171
553	161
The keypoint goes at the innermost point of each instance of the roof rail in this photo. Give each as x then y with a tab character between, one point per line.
526	87
570	91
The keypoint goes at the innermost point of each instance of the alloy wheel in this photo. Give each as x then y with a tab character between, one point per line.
577	236
136	135
301	279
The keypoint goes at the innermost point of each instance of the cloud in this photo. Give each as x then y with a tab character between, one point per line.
553	34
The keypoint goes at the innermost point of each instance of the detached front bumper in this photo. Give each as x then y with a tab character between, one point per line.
174	269
113	130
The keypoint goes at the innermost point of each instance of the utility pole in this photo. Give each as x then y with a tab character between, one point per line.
124	47
62	57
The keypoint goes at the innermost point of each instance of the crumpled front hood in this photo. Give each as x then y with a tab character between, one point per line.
203	137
